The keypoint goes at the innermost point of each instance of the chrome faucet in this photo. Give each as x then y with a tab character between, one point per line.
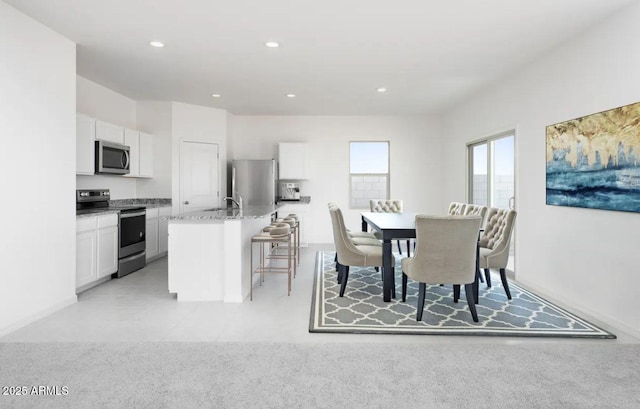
237	202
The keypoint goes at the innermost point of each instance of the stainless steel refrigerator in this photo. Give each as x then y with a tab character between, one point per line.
254	181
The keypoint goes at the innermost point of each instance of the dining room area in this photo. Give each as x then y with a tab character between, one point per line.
404	273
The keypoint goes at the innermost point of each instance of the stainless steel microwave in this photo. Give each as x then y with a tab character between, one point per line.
112	158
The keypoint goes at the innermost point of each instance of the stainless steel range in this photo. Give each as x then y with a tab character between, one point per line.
131	227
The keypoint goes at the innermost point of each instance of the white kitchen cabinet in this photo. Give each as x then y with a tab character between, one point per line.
107	244
157	232
163	229
96	248
132	140
109	132
140	146
146	155
300	210
85	145
292	161
152	233
86	251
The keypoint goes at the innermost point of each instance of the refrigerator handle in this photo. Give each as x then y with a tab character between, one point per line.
233	181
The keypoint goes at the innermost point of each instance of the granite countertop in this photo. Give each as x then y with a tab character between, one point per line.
95	212
142	202
303	200
148	203
249	212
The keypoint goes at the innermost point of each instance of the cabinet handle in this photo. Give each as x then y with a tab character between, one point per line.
186	202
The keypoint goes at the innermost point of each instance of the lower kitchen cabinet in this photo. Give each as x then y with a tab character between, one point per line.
96	248
152	233
301	211
163	229
107	234
86	252
157	231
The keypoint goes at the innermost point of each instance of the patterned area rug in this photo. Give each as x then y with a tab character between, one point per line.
362	310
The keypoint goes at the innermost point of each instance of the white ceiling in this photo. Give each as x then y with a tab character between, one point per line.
429	54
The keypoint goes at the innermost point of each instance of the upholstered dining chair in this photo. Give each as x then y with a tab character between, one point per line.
351	254
445	254
457	209
475	210
467	209
357	238
357	234
388	206
494	244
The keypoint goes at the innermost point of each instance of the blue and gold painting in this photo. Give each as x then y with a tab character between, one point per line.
594	161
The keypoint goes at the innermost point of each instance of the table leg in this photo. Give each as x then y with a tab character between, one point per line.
388	279
364	224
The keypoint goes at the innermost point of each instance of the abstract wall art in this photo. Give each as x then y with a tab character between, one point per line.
594	161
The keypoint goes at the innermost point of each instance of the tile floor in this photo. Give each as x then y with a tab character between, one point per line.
138	307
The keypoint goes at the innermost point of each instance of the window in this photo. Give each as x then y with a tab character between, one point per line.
369	172
492	165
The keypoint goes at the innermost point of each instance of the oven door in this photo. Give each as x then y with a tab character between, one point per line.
132	232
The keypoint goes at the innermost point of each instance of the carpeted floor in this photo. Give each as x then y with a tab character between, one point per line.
244	375
362	310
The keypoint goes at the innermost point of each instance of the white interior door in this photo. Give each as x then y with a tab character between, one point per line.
199	176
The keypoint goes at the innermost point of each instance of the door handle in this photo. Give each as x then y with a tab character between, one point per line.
186	202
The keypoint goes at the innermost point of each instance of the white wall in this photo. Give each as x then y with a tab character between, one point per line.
154	117
102	103
586	258
197	124
37	124
413	140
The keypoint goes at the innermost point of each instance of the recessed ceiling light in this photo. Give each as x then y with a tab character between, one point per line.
381	89
156	44
216	95
272	44
291	95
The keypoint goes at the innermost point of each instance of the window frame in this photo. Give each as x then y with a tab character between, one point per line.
387	175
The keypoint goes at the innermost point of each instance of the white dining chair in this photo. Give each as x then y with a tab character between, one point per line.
445	254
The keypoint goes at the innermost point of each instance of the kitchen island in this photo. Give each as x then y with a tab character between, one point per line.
209	252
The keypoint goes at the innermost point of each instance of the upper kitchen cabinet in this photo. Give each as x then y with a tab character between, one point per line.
140	153
140	146
146	155
109	132
132	140
85	145
292	160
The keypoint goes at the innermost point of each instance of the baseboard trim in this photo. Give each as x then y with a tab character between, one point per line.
38	315
233	299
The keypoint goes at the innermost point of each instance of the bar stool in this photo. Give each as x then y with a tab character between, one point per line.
297	219
273	235
293	223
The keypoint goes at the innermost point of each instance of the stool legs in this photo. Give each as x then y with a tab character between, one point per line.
267	253
289	267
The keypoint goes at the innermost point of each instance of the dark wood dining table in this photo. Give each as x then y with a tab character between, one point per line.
394	226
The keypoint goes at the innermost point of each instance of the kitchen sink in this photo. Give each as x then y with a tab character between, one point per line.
225	211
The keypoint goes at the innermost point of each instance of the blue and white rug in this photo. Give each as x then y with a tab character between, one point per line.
362	310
